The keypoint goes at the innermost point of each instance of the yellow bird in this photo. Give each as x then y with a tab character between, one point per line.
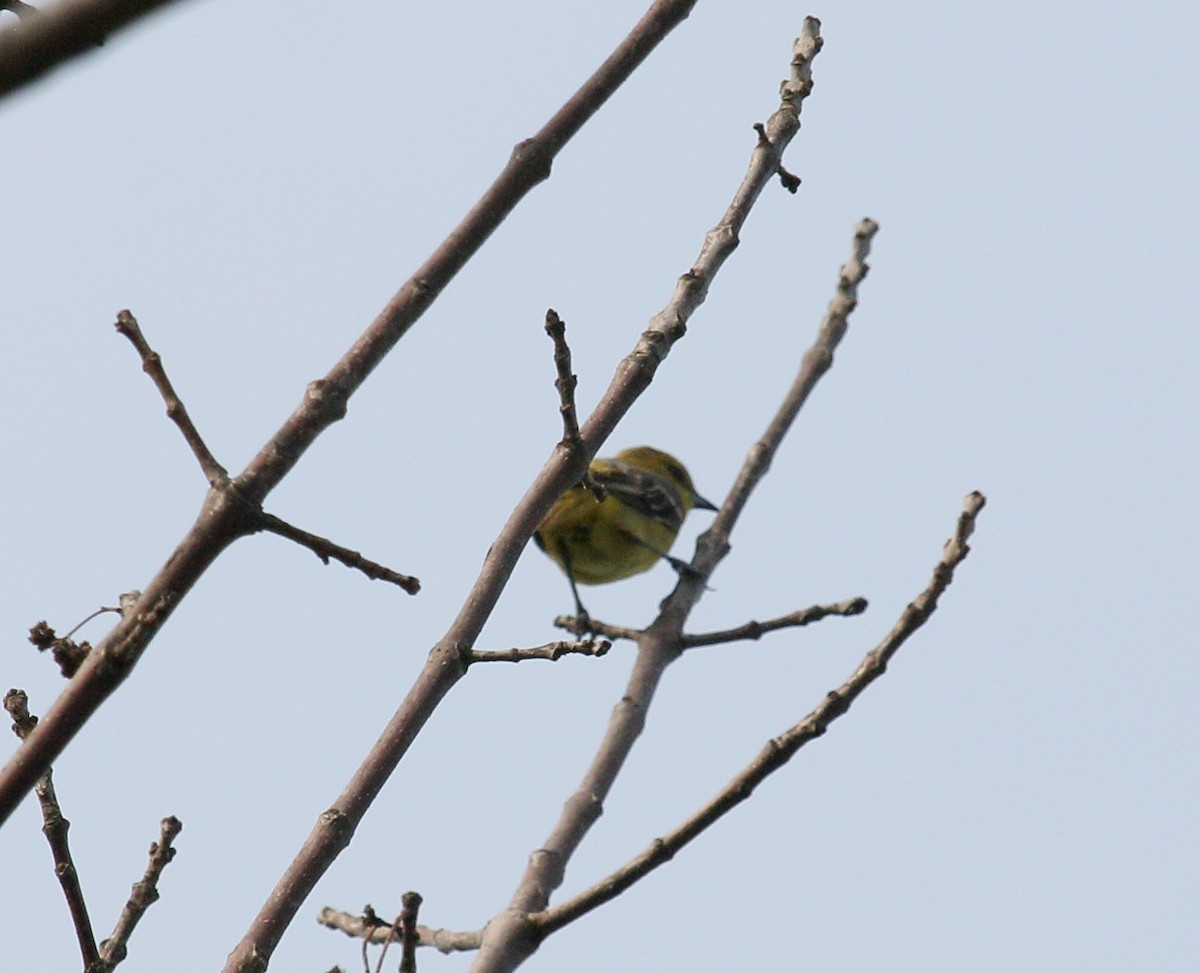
647	493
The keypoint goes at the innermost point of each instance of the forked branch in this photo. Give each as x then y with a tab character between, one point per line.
230	511
145	892
512	935
177	412
779	750
504	942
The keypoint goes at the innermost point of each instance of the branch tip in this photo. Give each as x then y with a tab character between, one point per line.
214	472
566	381
327	550
755	630
553	651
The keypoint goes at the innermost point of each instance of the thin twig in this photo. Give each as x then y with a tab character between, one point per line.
55	827
756	630
326	549
551	650
152	365
556	328
817	360
69	655
60	32
217	475
393	935
102	610
372	924
782	748
144	893
576	626
443	940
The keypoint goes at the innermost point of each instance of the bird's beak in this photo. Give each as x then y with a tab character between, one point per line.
701	504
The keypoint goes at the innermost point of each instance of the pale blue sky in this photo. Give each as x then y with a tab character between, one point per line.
1019	793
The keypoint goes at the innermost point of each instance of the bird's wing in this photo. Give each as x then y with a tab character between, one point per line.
642	491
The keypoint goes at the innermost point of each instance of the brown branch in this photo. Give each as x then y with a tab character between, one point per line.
443	666
19	7
556	328
233	510
102	610
410	905
144	894
55	828
782	748
818	359
326	549
218	476
512	935
579	626
325	403
114	949
48	38
756	630
750	630
551	650
152	365
360	927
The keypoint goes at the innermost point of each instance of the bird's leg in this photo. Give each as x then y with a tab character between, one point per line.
581	613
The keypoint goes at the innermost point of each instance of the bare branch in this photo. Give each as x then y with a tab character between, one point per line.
818	359
102	610
756	630
55	828
551	650
69	655
113	950
663	642
325	404
326	549
218	476
410	904
511	936
45	39
360	928
577	626
19	7
782	748
234	510
152	365
144	894
565	383
443	940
